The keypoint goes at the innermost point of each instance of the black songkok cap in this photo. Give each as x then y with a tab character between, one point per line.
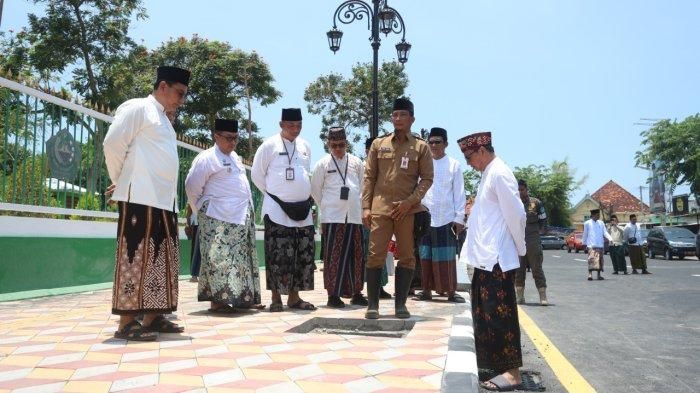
368	142
226	125
595	211
403	104
437	131
291	114
173	74
336	133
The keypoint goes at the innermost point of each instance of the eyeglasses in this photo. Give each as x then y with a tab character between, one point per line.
337	145
434	142
229	139
469	156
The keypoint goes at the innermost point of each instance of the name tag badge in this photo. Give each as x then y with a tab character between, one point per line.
289	174
284	153
332	171
404	162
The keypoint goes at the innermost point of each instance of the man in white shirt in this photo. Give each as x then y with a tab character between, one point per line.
594	235
141	154
631	235
218	190
336	186
282	171
495	239
445	200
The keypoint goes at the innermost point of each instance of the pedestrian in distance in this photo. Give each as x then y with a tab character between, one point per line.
535	225
633	241
593	239
617	246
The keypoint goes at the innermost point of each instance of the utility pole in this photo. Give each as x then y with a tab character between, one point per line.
1	4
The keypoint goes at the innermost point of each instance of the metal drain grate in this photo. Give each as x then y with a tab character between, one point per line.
390	328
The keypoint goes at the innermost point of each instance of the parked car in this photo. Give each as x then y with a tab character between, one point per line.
697	245
573	242
670	242
552	242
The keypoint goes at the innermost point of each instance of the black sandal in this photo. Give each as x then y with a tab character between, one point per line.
456	298
223	309
302	305
133	331
276	307
162	325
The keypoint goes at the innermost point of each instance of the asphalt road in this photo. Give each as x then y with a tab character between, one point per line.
633	333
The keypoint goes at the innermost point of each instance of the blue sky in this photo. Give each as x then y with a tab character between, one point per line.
551	79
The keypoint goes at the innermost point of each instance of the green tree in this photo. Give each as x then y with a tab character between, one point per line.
222	80
552	185
471	181
675	147
348	101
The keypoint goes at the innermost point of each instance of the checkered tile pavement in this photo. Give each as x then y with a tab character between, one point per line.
65	343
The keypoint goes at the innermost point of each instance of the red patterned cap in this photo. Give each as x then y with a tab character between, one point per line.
476	140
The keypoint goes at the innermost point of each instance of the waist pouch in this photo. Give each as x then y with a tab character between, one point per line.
297	211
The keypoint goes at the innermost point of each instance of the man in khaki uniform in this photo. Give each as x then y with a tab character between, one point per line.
535	223
398	173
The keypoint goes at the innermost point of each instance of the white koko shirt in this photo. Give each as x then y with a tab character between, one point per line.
141	154
269	175
326	182
594	233
496	225
220	179
445	199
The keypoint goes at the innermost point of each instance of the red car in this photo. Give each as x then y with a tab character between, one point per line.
573	242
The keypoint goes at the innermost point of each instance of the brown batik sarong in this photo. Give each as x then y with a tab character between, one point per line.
495	315
289	257
343	259
595	259
147	261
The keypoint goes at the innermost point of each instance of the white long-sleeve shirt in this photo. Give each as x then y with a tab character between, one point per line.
632	230
220	179
445	199
269	175
496	233
326	182
141	154
594	233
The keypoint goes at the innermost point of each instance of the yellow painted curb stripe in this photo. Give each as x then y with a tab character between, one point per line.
569	377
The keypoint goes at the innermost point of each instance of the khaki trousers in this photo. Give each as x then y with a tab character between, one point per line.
381	229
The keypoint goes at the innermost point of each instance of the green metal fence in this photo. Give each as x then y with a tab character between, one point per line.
51	157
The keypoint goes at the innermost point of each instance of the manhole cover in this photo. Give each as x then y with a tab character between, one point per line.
392	328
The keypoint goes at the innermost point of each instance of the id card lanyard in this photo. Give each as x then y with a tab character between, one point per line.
289	173
345	176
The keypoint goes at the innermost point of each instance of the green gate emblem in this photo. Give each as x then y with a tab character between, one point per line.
64	155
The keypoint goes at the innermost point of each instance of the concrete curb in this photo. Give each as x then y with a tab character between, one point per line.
461	373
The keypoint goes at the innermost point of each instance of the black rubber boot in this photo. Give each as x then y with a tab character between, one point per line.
373	284
402	277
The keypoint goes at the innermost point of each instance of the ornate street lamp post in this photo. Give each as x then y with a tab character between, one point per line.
380	18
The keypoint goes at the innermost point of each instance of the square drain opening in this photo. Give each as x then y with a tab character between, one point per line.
390	328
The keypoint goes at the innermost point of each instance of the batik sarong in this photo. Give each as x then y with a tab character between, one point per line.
147	261
438	253
495	315
343	262
595	259
229	273
289	257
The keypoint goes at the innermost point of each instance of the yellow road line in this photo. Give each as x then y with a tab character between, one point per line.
569	377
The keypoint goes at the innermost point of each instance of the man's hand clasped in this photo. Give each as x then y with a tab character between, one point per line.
400	210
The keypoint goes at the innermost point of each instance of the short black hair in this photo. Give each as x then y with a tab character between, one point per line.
489	148
633	216
522	182
155	85
613	216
